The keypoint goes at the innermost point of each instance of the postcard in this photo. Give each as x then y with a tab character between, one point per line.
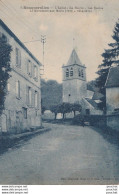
59	93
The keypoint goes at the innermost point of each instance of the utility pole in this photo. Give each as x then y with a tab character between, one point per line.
43	41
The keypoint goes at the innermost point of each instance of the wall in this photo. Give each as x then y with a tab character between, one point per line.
75	88
112	99
13	112
113	121
75	72
86	105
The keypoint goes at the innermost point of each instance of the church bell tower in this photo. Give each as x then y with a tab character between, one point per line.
74	79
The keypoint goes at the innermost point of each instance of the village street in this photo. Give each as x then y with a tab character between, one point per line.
64	155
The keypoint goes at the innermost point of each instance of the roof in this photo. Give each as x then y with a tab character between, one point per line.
92	102
74	59
97	96
89	87
113	77
18	41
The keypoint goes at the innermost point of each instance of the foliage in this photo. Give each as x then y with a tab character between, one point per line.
93	120
51	92
55	109
110	57
43	108
64	108
76	107
5	50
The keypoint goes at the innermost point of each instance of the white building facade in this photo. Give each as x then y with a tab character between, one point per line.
23	101
112	98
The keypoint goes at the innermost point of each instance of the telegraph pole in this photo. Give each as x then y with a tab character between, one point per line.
43	41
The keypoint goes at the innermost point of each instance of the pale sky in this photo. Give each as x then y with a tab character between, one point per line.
92	31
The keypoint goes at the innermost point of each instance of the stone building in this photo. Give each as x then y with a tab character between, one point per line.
112	98
75	88
74	80
23	101
112	90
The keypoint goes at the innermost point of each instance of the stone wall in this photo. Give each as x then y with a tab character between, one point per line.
13	119
113	121
112	99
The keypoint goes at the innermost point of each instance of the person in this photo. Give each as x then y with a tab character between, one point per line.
83	122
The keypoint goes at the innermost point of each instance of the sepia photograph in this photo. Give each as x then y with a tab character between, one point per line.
59	92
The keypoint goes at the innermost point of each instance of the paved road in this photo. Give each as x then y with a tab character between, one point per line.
64	155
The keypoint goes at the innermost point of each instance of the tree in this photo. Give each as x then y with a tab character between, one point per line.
76	107
65	108
55	109
110	57
51	92
43	108
5	50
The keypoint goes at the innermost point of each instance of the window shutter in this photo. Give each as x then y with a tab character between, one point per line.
16	56
32	100
19	57
33	68
27	63
38	100
27	100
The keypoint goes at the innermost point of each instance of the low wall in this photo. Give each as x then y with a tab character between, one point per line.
94	120
113	121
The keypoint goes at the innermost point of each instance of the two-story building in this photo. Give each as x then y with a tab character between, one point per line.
23	101
112	98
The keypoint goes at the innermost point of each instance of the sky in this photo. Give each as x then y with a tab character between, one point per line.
88	32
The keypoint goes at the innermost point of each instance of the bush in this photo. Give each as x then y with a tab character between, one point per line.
94	120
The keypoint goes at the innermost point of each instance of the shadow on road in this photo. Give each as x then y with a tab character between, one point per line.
110	135
7	142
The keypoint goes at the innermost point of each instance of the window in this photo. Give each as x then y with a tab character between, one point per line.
36	99
71	71
87	111
29	68
4	38
67	72
79	72
82	75
36	113
35	73
18	57
18	89
29	96
24	112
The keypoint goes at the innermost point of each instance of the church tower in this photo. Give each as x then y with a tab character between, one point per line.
74	79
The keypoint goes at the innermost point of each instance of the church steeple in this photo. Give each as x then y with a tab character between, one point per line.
74	59
74	68
74	79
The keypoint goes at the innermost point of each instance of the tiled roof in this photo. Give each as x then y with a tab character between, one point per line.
92	102
113	77
18	41
74	59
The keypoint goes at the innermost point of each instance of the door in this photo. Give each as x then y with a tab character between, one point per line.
4	123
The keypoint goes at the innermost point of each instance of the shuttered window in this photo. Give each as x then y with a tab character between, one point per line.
71	71
36	99
29	68
18	89
35	73
67	72
18	57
